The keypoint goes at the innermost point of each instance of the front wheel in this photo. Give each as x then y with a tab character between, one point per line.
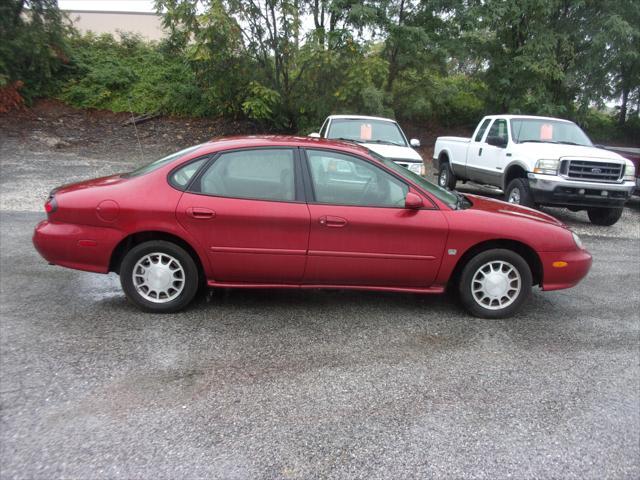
159	276
446	178
604	216
518	192
495	283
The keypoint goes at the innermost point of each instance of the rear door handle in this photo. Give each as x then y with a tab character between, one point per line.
331	221
200	213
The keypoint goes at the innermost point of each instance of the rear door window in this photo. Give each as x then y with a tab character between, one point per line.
261	174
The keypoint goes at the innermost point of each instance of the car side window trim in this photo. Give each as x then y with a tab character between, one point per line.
195	186
324	127
310	191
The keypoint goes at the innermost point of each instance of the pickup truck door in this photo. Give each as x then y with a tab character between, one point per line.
485	163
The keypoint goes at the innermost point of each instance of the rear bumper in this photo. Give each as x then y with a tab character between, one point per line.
552	190
82	247
564	269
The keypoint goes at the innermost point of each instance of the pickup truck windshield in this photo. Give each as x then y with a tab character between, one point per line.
548	131
365	130
440	193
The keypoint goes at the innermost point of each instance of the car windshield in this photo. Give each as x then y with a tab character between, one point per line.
440	193
366	130
160	162
543	130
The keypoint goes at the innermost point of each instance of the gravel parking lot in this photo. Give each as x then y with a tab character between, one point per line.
320	384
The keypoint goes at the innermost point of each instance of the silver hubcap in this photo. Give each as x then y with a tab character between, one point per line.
443	178
158	277
514	196
496	285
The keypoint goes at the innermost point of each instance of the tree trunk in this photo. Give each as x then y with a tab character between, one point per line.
623	107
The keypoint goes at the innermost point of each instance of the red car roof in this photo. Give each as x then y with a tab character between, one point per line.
227	143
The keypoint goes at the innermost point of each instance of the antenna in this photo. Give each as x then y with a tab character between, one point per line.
133	120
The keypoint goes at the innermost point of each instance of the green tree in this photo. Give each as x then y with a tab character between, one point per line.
33	44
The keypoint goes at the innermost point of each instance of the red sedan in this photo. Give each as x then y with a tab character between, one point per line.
271	212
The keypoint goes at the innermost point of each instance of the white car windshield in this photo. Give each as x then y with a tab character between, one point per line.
543	130
365	130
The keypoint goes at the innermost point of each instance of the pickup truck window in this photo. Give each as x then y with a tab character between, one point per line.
546	130
499	129
366	131
482	129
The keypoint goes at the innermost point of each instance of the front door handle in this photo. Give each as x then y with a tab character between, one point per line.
480	152
331	221
200	213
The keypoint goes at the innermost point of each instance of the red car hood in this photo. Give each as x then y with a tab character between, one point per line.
95	182
498	206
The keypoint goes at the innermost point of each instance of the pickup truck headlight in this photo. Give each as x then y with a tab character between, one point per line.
547	166
629	171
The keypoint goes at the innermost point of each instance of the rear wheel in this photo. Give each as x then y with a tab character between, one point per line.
518	192
604	216
446	178
159	276
495	283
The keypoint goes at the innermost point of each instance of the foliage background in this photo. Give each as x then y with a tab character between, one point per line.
287	64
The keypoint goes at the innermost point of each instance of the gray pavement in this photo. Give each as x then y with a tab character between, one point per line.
315	384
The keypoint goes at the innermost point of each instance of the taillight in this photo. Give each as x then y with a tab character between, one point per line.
50	205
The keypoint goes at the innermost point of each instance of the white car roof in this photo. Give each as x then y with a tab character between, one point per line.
361	117
534	117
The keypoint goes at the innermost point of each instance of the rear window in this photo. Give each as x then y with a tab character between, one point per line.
160	162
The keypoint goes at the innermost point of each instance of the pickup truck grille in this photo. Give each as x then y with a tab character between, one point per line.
592	171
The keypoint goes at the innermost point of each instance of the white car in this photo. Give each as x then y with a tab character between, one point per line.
380	135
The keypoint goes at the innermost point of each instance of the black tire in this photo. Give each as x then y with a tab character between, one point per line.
185	261
604	216
446	177
480	261
519	193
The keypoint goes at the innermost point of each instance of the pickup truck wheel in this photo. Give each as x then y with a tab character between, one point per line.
518	192
446	178
159	277
495	283
604	216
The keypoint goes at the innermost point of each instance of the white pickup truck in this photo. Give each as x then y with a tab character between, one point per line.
538	161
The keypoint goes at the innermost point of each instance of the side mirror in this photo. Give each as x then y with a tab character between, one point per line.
314	135
414	142
413	201
497	141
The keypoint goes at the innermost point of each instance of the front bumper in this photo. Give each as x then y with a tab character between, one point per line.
564	269
82	247
554	190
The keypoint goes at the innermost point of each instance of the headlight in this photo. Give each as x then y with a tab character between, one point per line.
416	168
547	166
629	171
576	239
